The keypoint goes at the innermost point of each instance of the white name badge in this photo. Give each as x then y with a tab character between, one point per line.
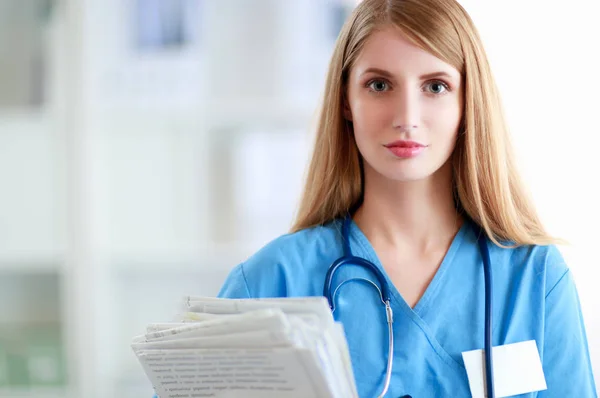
517	370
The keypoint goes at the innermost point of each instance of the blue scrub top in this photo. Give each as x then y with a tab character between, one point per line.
534	299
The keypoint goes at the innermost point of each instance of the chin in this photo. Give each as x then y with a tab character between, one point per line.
405	178
404	175
411	170
402	172
407	172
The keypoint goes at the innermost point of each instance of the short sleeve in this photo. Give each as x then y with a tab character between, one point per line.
235	285
566	359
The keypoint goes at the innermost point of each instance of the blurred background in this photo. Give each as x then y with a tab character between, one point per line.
148	146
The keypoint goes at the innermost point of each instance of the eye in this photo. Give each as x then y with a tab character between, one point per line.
437	87
378	85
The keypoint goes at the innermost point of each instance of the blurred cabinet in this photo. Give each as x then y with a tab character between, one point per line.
30	151
32	228
33	348
32	342
146	147
32	353
23	61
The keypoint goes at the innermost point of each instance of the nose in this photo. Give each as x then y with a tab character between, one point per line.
407	114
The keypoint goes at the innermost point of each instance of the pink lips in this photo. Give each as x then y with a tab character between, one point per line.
405	149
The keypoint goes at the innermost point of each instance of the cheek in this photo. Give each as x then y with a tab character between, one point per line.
369	117
444	121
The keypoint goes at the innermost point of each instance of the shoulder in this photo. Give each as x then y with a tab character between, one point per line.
540	301
293	264
543	266
535	269
297	245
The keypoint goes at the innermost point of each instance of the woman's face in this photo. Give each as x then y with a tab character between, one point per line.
405	106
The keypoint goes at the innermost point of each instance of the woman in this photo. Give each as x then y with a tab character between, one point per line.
412	144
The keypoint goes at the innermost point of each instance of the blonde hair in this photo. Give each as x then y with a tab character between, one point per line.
486	183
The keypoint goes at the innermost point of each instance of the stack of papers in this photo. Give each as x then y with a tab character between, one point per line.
267	348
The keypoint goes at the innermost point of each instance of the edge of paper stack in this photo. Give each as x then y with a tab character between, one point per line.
267	348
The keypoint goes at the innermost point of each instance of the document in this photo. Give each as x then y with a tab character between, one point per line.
284	348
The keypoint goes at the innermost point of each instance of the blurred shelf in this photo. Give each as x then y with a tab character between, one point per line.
281	112
216	259
33	392
23	117
226	114
142	117
31	263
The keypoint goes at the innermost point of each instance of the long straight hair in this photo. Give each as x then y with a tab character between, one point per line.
487	186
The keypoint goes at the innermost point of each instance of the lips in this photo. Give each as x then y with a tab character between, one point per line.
405	144
406	149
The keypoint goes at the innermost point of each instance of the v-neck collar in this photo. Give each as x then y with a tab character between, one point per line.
422	305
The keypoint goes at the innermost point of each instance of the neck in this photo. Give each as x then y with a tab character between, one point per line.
417	215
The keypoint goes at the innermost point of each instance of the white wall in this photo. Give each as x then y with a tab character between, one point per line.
546	60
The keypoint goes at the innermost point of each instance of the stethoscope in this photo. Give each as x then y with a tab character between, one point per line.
384	292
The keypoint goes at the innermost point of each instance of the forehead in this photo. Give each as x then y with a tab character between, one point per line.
389	49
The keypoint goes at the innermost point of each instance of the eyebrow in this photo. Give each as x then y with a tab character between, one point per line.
385	73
